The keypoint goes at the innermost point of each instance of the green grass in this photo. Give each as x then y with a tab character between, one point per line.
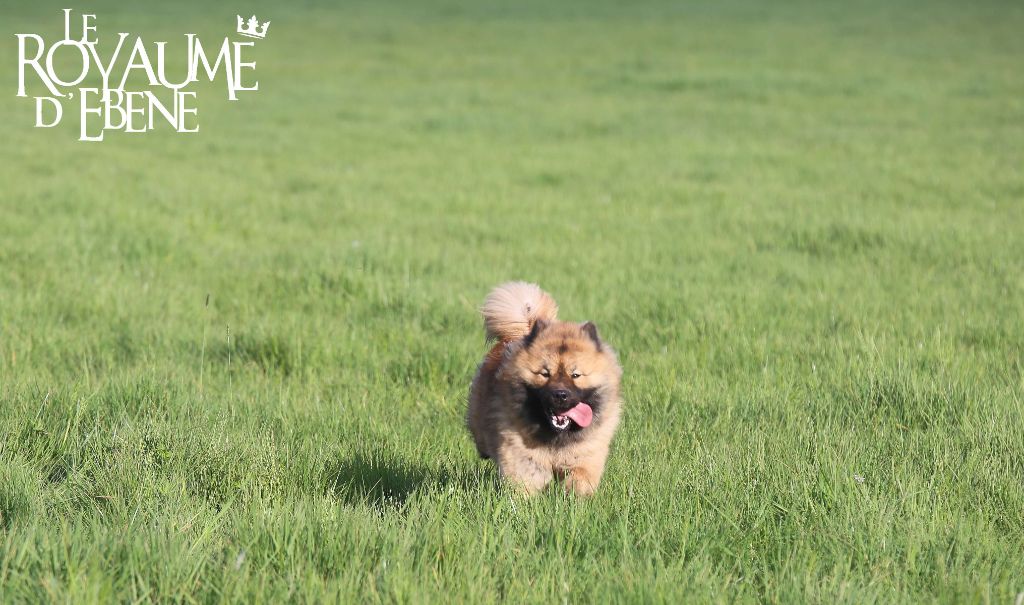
799	224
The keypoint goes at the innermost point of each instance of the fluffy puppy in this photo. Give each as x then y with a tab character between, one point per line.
545	401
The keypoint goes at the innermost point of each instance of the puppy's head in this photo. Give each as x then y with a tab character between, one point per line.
566	373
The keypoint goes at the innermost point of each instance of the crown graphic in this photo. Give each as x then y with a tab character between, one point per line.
251	27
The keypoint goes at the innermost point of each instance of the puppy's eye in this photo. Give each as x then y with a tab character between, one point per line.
575	375
545	373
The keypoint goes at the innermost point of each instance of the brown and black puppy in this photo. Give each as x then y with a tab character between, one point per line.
545	401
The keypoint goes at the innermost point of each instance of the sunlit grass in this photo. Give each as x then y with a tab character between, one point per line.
800	226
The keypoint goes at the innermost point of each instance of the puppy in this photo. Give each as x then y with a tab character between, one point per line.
545	401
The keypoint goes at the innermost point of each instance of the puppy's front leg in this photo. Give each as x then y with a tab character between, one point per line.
585	476
523	471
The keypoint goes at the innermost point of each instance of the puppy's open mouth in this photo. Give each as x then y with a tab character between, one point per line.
581	415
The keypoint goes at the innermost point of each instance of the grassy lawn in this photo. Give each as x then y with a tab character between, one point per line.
233	364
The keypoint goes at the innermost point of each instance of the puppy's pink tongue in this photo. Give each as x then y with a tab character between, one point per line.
581	414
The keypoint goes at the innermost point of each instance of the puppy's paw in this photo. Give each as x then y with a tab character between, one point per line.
525	475
581	482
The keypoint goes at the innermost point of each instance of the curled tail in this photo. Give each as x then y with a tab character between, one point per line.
511	309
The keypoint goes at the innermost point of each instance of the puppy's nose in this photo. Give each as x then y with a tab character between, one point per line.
560	395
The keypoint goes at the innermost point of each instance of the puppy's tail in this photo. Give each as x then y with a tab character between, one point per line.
511	309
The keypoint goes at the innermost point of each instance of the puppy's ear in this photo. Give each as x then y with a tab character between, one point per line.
591	330
538	326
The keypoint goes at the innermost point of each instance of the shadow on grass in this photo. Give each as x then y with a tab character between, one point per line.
383	481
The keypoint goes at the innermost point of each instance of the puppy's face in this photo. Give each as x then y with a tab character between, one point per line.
564	368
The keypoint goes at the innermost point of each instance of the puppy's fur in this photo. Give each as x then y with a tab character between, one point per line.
539	374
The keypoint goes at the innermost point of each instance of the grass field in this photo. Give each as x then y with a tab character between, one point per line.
233	365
